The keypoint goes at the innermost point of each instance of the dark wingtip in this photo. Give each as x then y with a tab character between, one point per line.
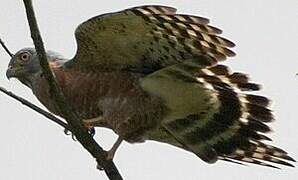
289	158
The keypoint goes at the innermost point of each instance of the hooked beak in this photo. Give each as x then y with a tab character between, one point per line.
10	72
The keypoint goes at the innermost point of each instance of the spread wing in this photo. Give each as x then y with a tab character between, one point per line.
145	39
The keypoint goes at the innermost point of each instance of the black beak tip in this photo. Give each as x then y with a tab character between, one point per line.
9	73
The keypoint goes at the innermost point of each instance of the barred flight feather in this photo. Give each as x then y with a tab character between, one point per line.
185	18
155	9
240	121
190	33
243	158
200	31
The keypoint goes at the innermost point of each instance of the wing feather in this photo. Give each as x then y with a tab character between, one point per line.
146	39
216	119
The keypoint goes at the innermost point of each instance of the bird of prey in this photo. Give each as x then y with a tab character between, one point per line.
149	73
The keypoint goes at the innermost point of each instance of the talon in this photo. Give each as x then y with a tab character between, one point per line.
91	131
73	137
68	132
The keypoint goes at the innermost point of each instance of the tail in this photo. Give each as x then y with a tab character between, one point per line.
245	117
212	113
230	123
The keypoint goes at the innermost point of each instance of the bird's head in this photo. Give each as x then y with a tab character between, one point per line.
25	66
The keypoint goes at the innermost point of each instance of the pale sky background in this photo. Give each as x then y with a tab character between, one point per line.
33	148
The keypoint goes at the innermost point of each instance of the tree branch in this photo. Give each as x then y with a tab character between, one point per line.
5	48
66	111
36	108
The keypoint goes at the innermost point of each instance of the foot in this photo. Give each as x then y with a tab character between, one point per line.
68	132
91	131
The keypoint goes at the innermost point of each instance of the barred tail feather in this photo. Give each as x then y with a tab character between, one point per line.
242	120
216	116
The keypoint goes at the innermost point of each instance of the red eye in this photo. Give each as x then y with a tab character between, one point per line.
25	56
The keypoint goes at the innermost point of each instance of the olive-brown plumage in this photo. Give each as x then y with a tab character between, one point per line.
149	73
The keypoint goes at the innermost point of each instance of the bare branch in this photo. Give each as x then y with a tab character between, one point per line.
36	108
66	111
5	48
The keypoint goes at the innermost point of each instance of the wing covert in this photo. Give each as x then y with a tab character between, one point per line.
145	39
